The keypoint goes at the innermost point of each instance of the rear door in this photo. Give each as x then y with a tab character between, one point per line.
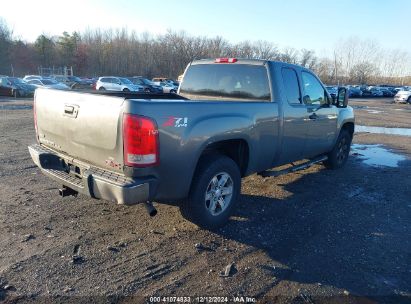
322	116
295	118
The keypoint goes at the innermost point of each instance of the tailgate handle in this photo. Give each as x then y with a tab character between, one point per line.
71	110
68	109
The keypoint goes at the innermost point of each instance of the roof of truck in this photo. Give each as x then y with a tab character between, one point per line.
244	61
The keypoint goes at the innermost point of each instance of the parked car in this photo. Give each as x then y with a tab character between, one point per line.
386	92
73	82
31	77
111	83
403	97
159	79
188	149
13	86
366	92
333	90
147	85
168	87
354	91
48	83
376	92
89	80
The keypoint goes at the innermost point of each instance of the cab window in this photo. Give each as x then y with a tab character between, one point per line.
292	88
314	93
228	82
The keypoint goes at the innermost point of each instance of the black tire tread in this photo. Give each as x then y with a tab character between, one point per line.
331	162
207	165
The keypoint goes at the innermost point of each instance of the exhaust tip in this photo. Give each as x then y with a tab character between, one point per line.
151	210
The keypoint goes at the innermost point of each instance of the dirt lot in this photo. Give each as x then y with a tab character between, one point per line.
316	236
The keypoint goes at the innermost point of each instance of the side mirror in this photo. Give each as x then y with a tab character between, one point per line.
342	98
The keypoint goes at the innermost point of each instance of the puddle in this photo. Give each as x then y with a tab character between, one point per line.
382	130
375	111
16	107
359	107
376	155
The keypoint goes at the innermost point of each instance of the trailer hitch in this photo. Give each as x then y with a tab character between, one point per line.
66	191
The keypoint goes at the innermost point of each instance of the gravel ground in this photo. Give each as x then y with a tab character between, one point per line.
316	236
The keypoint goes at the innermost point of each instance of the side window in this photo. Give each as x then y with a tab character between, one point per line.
292	88
314	93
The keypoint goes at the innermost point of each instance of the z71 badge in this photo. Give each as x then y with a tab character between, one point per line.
176	122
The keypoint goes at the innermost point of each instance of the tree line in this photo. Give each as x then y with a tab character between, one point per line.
97	52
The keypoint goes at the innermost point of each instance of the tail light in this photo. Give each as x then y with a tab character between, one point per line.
225	60
140	135
35	119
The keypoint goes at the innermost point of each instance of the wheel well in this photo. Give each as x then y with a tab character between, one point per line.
349	126
236	149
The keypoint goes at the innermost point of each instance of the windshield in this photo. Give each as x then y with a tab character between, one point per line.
125	81
146	81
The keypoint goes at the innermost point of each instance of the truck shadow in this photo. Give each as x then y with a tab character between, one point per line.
348	229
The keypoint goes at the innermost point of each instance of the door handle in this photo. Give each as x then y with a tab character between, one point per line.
313	116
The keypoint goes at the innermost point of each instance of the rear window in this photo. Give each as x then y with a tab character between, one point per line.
236	82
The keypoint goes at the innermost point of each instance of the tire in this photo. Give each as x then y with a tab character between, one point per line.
204	205
409	100
147	90
173	91
339	154
126	90
101	88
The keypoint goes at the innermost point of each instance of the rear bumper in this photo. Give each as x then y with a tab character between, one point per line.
94	182
401	99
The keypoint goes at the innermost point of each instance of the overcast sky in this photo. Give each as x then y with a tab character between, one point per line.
312	24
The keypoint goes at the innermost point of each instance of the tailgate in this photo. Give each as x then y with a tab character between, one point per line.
84	126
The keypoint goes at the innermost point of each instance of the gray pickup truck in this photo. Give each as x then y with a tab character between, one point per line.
231	118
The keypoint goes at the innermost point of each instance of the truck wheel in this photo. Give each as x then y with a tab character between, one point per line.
339	154
214	192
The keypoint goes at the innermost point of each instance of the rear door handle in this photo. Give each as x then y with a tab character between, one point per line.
313	116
